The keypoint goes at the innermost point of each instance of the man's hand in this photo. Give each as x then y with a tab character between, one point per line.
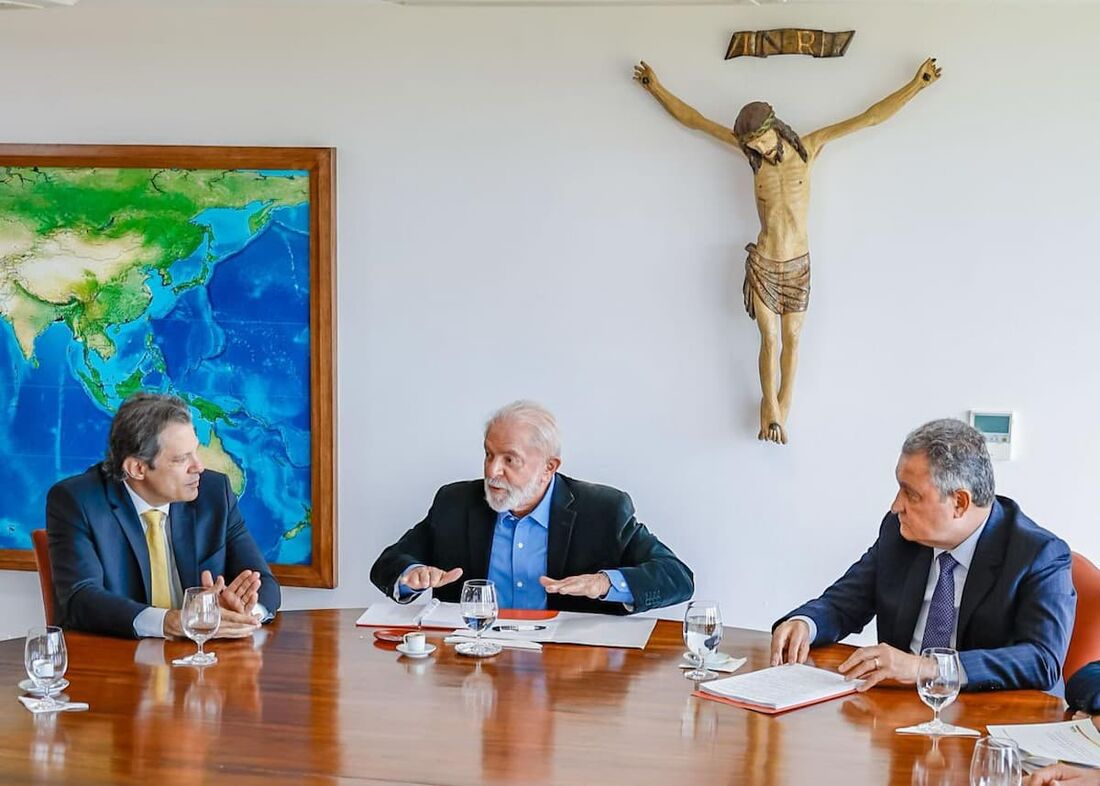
1063	773
791	642
644	76
234	625
423	577
878	663
928	73
240	595
588	585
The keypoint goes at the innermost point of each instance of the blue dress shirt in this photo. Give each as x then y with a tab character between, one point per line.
518	559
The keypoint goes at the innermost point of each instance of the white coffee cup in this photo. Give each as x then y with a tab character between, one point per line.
414	641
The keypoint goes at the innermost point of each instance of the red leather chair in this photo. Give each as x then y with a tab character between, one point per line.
45	574
1084	644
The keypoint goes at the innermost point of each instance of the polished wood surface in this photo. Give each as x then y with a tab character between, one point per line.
317	700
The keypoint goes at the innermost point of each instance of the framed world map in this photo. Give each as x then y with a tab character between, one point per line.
204	272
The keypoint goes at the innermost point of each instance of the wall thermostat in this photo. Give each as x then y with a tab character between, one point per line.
997	428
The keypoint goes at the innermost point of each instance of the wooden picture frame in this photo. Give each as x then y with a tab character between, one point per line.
319	162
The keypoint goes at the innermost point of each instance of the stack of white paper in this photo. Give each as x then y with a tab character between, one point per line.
781	687
1074	742
567	627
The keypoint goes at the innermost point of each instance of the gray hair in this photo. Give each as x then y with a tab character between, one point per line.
135	430
957	458
541	422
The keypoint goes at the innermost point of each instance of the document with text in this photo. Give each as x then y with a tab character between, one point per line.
780	688
1074	742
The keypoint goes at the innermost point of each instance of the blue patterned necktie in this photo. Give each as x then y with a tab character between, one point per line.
941	611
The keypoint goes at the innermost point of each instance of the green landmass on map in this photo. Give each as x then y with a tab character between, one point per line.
77	245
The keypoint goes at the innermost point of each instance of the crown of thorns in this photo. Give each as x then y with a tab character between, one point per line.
767	125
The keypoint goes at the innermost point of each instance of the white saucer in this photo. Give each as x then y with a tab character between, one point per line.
28	686
428	650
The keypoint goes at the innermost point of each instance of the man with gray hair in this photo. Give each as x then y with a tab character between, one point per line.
546	540
955	566
131	533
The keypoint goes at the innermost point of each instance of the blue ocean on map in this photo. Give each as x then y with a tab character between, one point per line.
228	330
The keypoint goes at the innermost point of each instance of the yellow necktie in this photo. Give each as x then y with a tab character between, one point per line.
158	558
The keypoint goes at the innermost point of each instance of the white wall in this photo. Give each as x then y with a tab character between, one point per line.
516	218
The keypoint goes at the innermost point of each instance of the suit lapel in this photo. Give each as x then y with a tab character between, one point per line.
562	516
182	522
128	522
482	523
988	555
912	597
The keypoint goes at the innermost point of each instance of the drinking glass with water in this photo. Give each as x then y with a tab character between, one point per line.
199	618
996	762
479	612
702	635
938	682
46	659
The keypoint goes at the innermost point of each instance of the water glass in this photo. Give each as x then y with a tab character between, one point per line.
479	612
199	618
996	762
46	660
938	683
702	634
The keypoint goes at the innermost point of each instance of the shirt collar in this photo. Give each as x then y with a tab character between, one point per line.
140	505
964	552
541	514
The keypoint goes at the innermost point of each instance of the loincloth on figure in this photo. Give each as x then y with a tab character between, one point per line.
784	287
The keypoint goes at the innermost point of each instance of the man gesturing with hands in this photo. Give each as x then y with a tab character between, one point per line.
955	566
128	535
545	540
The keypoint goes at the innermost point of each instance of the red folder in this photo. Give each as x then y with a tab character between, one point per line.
769	710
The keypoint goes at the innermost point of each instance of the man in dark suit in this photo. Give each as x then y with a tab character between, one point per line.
953	566
545	540
1083	689
129	535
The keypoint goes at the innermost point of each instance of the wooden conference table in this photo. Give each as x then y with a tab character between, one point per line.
320	701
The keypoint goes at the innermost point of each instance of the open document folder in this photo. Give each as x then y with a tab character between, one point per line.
563	627
1074	742
778	689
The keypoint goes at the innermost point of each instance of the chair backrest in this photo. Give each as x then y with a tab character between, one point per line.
45	574
1084	644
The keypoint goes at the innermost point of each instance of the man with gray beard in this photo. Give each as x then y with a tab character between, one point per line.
547	541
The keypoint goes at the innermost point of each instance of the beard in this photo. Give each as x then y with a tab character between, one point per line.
514	496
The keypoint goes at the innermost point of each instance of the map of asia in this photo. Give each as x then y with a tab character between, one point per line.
193	282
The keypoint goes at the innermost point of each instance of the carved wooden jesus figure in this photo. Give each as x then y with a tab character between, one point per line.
777	270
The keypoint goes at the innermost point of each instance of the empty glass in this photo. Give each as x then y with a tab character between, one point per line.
200	617
702	634
996	762
46	660
938	681
479	611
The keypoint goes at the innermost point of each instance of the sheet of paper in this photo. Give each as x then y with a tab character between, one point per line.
1076	742
781	686
602	630
389	613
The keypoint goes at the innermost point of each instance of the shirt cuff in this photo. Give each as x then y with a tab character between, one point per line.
812	625
402	593
260	612
620	590
149	623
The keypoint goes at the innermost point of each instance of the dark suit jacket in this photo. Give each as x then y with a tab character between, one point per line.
101	562
592	528
1017	605
1083	689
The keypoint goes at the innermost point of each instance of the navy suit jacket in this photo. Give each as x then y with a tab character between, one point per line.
101	562
1083	689
592	528
1017	606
